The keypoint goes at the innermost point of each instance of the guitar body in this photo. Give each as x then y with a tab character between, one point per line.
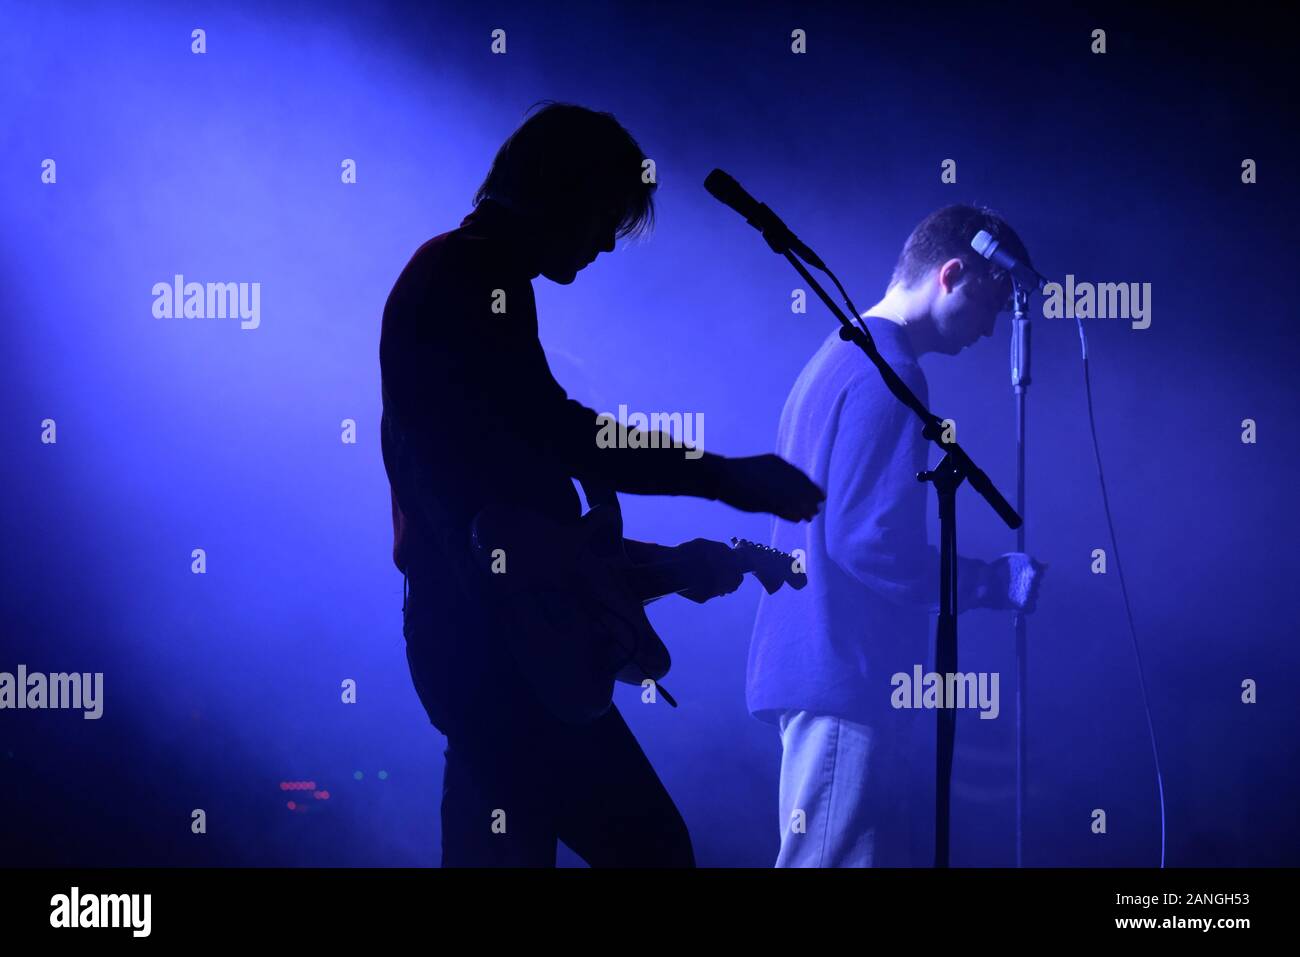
575	623
572	602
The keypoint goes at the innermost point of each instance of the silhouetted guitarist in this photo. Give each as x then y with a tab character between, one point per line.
473	417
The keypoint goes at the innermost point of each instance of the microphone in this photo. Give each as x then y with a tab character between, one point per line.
1025	274
1028	279
726	190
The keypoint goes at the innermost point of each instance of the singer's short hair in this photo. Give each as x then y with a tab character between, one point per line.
946	234
566	162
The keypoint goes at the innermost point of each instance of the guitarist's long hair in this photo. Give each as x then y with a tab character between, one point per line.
567	162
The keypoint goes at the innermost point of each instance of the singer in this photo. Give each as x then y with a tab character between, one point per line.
857	774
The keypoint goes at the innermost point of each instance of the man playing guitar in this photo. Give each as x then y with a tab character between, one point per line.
473	420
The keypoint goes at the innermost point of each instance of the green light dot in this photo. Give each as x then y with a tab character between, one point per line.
358	775
383	775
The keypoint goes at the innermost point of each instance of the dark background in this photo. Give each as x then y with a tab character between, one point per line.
172	435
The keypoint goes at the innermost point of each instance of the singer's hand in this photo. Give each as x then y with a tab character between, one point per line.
768	483
1016	579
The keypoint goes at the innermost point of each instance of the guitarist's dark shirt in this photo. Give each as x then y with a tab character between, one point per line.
472	416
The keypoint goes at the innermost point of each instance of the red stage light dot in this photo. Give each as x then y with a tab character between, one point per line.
292	806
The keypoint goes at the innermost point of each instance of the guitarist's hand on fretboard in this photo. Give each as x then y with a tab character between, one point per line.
704	569
711	568
572	598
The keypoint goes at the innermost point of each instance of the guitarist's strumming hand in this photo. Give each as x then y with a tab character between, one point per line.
712	568
768	483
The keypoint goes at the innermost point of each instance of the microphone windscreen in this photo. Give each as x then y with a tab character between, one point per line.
721	186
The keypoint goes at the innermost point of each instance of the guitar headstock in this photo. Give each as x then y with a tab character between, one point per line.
771	566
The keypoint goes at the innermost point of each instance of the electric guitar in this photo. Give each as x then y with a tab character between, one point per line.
573	603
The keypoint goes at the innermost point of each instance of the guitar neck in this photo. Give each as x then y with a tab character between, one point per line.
657	579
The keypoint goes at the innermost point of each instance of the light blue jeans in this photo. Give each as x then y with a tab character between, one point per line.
852	795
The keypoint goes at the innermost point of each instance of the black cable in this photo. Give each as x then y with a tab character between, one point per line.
1123	586
853	310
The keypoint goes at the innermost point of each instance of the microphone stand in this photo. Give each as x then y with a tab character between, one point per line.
1019	386
955	467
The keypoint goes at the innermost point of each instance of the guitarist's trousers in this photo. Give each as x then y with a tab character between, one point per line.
517	780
